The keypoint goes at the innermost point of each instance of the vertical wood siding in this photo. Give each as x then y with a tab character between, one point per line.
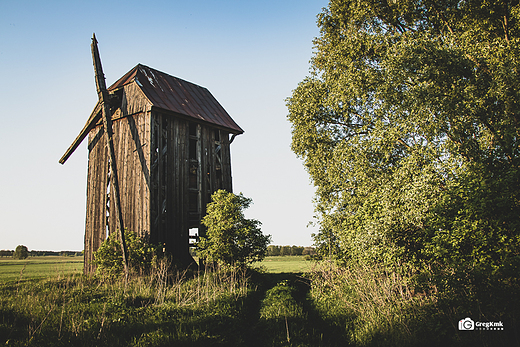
131	142
95	226
226	162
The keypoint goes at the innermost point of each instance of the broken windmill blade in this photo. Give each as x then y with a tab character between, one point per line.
102	111
107	123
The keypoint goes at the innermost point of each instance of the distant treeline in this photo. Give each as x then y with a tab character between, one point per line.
289	250
9	253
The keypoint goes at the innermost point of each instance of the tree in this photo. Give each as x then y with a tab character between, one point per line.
285	250
231	239
296	250
273	250
309	251
21	252
409	128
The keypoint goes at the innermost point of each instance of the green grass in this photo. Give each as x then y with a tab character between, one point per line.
280	306
51	266
39	267
285	264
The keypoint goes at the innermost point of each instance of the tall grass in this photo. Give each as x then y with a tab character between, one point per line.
182	288
356	305
155	309
374	305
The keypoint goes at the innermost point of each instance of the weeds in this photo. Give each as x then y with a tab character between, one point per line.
378	306
278	307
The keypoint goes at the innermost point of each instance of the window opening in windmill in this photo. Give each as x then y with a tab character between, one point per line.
194	236
159	174
218	161
193	129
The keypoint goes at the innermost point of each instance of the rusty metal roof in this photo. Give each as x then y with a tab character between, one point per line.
177	95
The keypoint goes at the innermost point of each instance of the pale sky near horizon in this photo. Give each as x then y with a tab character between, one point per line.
249	54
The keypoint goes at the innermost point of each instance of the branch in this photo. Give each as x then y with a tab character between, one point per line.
506	30
347	125
496	136
401	141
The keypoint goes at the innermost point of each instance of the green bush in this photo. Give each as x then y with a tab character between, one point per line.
231	239
141	255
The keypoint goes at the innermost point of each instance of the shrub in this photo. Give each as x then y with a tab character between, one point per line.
231	239
109	259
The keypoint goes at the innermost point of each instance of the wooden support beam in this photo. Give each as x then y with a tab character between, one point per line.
107	123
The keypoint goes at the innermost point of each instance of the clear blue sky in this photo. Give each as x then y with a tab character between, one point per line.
249	54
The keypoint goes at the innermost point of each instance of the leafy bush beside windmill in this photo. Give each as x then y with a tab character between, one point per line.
141	255
231	239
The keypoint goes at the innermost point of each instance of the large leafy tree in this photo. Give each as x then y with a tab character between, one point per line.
409	128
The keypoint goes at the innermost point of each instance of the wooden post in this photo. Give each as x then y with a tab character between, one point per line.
107	124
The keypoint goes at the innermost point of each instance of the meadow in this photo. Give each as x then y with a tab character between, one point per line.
56	266
39	267
285	264
46	301
283	301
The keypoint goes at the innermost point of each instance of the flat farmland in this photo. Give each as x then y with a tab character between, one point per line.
55	266
285	264
39	267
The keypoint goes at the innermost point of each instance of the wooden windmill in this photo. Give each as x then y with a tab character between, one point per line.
165	150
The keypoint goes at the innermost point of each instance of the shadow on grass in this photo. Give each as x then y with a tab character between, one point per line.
286	315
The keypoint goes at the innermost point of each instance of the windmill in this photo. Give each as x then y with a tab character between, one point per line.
159	146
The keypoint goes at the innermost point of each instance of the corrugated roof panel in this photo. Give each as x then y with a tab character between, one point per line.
177	95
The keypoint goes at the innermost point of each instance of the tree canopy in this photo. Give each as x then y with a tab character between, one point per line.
409	128
21	252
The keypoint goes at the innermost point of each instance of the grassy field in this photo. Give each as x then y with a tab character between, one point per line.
229	308
39	267
286	264
52	304
55	266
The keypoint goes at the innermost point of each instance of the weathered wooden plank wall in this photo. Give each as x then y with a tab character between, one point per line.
178	193
97	181
131	145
